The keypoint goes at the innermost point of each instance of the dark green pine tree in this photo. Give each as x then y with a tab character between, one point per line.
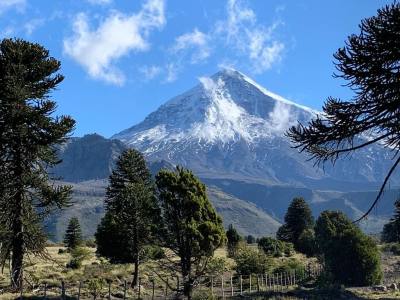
132	213
233	240
298	218
192	228
391	230
73	234
29	134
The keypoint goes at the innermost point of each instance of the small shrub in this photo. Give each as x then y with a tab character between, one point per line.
74	264
91	243
217	265
203	294
274	247
394	248
154	252
78	255
95	287
306	243
290	265
62	251
252	261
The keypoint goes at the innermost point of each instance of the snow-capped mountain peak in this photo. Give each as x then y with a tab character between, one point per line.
225	108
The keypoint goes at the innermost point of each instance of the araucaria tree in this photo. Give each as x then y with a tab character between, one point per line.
192	228
29	134
233	240
298	219
350	257
73	234
370	62
131	212
391	230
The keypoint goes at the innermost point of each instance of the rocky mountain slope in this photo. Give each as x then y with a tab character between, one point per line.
229	126
230	131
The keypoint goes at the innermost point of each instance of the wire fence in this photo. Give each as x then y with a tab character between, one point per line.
222	286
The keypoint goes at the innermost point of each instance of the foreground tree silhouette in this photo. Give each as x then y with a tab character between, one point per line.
192	228
131	212
29	134
350	257
370	62
73	234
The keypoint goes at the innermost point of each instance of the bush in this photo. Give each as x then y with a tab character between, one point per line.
274	247
394	248
307	243
251	261
78	255
217	265
95	287
290	265
154	252
91	243
62	251
350	256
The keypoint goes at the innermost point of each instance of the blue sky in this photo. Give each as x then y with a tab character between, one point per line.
124	58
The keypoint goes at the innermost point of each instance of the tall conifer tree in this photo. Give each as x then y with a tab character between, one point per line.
132	213
73	234
29	133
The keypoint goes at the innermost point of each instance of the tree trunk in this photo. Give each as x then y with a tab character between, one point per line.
188	288
17	229
135	273
17	254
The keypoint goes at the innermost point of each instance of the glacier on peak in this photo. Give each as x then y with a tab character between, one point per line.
225	108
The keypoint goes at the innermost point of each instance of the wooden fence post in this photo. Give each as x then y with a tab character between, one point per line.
140	283
222	287
166	289
79	290
212	286
241	285
250	283
153	282
124	289
109	290
62	290
258	283
231	286
45	291
294	277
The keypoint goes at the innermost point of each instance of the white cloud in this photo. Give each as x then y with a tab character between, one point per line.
150	72
196	40
172	72
9	4
242	31
33	24
246	39
262	53
97	50
281	117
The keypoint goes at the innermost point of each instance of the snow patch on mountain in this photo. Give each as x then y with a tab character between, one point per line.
217	111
